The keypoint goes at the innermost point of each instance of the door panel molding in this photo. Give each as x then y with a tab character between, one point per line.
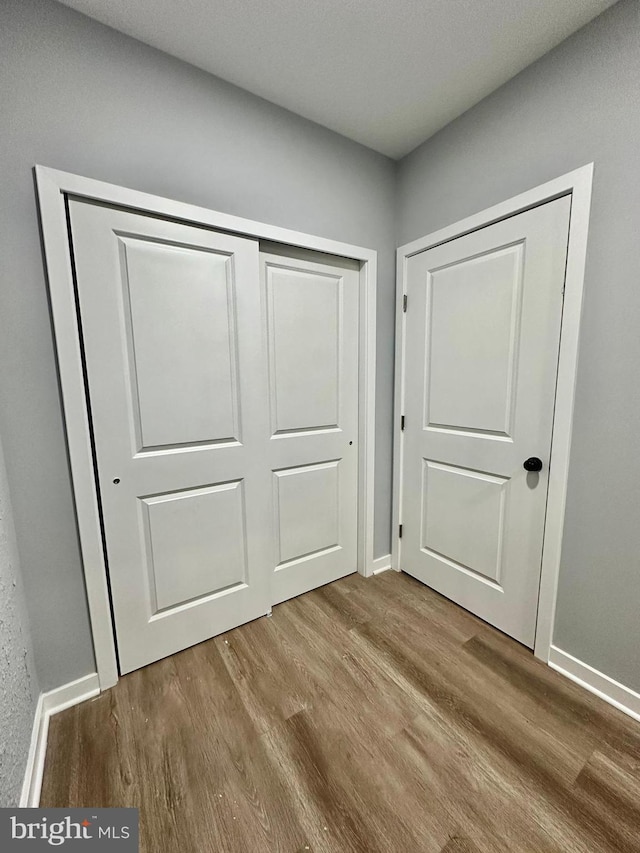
53	189
576	184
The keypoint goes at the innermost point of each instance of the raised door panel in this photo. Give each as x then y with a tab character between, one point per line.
473	310
179	311
195	543
304	331
307	511
463	514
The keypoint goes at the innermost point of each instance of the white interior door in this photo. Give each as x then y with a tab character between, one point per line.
174	347
482	337
312	331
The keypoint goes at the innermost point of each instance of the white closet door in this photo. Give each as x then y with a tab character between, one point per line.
312	331
482	336
174	346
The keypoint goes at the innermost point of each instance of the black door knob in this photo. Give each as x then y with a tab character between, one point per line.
532	464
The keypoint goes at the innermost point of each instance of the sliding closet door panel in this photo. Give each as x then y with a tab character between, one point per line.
312	332
175	354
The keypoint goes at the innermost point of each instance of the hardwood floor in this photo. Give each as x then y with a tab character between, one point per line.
369	715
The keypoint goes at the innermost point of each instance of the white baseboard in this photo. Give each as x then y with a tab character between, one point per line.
49	704
35	759
71	694
591	679
381	564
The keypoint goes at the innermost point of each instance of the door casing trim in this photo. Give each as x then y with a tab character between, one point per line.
577	184
53	186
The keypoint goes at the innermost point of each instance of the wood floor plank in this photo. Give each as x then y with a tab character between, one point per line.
263	673
459	844
508	736
326	652
609	785
370	715
565	699
351	786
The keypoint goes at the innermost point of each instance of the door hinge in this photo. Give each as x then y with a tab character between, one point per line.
400	532
404	303
402	422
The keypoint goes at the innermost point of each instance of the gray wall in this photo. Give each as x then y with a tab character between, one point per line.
580	103
18	683
80	97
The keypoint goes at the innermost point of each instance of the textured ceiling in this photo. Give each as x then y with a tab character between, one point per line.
386	73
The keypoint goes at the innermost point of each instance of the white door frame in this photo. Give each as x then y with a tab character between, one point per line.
53	187
577	184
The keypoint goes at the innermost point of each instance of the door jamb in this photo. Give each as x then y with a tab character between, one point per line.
53	186
578	184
